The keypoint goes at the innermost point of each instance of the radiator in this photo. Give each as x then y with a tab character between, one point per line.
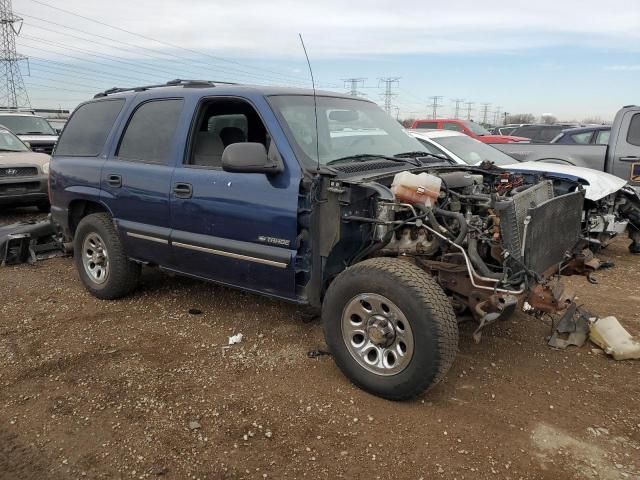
552	226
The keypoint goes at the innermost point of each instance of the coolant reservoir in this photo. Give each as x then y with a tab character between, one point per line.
422	189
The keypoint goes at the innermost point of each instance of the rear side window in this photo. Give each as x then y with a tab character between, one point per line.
603	137
633	137
86	132
421	125
149	134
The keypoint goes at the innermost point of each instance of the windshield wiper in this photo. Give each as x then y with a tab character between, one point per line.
35	133
363	157
420	155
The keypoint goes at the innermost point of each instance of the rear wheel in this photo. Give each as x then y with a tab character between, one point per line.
390	327
100	260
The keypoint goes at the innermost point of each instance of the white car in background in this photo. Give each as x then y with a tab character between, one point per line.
611	206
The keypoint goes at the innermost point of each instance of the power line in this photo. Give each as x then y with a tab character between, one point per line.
458	102
435	104
12	90
173	58
353	84
145	37
388	94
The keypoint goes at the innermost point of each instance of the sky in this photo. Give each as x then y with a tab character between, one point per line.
575	59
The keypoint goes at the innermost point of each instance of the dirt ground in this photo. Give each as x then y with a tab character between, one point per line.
141	388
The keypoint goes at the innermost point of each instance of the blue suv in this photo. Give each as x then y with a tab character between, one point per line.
315	198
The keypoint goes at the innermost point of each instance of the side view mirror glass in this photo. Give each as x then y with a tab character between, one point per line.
249	157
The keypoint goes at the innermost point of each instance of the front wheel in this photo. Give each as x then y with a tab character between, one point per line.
390	327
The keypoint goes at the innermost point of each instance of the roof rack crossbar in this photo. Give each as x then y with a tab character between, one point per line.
171	83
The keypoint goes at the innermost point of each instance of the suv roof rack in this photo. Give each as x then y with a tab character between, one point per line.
171	83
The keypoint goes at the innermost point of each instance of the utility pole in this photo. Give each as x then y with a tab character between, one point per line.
13	93
496	115
435	105
353	84
458	102
485	112
506	116
469	109
388	94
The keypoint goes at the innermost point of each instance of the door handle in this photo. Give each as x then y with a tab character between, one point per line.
630	158
115	181
183	190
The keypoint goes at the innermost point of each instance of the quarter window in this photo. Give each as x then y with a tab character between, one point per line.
149	135
87	130
452	126
633	137
582	138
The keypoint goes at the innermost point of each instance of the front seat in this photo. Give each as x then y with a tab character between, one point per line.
208	150
231	135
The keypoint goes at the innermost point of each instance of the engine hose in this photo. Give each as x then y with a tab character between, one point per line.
474	256
461	221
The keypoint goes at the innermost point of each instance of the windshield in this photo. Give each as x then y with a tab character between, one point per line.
346	128
10	143
26	125
473	151
475	128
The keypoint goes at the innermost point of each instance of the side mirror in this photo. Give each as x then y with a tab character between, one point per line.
249	157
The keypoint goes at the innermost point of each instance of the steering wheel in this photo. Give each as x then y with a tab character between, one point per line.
555	160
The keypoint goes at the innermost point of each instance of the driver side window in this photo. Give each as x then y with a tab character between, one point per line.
220	123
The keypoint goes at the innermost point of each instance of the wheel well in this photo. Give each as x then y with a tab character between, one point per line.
78	209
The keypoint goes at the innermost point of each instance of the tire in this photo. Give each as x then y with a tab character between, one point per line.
96	234
414	297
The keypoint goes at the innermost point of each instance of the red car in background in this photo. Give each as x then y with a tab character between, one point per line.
466	126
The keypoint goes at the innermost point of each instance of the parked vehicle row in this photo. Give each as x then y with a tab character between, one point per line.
620	156
23	173
319	199
467	127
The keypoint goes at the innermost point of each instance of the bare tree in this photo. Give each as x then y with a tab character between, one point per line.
548	119
595	120
521	118
407	122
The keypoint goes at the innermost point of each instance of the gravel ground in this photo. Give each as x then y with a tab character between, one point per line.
141	388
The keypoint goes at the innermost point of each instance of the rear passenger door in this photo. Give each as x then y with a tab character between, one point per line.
136	178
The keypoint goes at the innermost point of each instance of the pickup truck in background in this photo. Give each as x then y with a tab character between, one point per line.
621	157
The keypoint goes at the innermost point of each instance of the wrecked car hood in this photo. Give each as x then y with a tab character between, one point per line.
599	184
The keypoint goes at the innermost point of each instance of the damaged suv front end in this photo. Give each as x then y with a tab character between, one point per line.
395	243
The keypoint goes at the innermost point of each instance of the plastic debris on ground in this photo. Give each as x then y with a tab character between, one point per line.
614	339
233	339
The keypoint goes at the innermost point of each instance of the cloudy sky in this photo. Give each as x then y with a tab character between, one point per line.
572	58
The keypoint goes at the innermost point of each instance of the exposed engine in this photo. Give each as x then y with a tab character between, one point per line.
488	237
